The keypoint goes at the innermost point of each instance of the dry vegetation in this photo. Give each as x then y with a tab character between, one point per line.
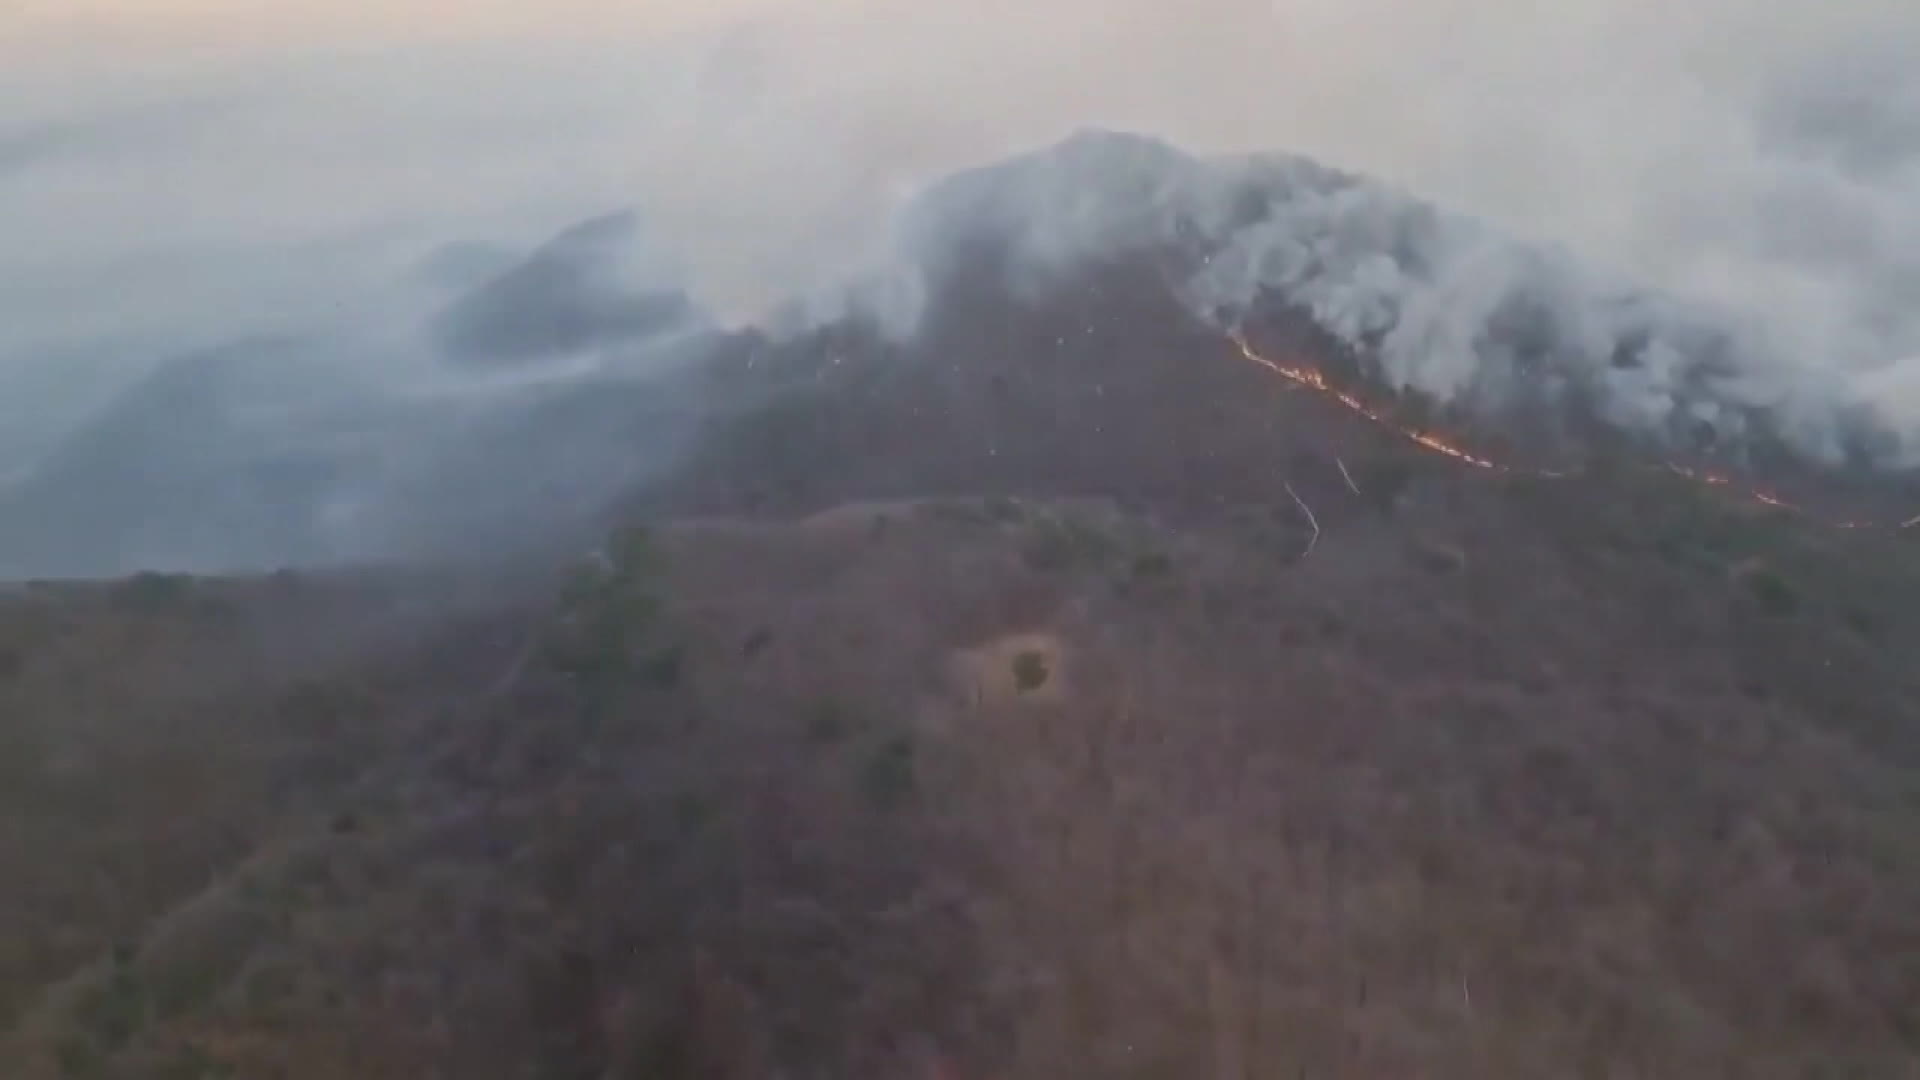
1506	779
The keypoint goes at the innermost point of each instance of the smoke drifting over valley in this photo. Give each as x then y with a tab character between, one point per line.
378	281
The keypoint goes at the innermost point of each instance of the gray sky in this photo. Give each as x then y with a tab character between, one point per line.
176	172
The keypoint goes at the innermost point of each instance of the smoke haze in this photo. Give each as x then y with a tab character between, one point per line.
1689	208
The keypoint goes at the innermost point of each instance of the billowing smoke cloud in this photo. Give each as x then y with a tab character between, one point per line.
544	386
1438	301
1693	213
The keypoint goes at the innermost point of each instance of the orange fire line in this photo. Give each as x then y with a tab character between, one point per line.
1314	379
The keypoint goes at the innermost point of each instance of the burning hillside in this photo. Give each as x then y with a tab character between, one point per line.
1076	312
1302	372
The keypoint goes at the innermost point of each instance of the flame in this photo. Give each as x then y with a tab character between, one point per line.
1313	379
1759	495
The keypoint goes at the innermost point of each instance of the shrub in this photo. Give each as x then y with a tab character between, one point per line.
1152	565
1775	595
958	512
1436	557
1385	479
756	643
829	722
606	612
1867	624
1004	509
1062	543
665	668
1030	671
153	593
887	774
115	1009
692	811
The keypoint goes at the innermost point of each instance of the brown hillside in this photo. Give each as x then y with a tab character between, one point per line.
1505	778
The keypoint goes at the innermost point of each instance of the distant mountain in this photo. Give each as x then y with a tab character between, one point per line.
252	457
574	293
172	472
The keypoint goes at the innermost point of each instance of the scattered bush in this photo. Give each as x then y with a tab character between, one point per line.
829	722
1439	558
1004	509
153	593
607	610
1063	542
23	757
115	1009
1775	595
664	669
322	708
1867	624
692	811
192	1063
756	643
1153	565
958	512
1384	479
1030	671
887	773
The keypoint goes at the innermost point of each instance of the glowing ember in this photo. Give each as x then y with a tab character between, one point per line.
1314	379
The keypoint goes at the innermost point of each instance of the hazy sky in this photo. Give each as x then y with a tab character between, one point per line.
180	171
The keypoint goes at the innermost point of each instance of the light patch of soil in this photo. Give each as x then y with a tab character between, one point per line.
1022	667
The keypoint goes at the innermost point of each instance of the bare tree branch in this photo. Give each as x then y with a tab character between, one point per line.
1347	476
1311	520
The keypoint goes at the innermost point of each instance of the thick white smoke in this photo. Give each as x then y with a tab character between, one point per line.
1684	212
1441	302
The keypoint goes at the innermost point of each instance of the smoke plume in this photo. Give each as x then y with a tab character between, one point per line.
1706	215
